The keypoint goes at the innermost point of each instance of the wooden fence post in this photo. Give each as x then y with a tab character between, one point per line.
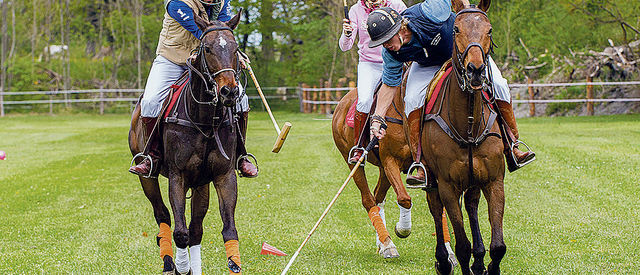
305	97
300	98
589	96
314	97
532	106
342	82
327	97
101	102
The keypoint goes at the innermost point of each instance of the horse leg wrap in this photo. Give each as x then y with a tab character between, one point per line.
384	221
233	256
182	260
165	241
405	217
376	220
195	260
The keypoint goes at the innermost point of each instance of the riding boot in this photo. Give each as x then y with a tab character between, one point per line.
414	142
359	121
509	118
246	168
144	167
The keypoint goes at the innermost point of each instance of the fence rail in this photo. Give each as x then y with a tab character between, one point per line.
312	99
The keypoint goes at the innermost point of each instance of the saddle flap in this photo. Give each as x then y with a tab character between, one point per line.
176	90
436	86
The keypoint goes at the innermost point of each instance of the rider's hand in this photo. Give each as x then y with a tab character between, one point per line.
244	61
376	130
347	28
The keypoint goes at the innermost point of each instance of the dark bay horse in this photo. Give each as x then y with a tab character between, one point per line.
463	149
393	157
199	141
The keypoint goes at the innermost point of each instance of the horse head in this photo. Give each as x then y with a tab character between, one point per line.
218	61
472	32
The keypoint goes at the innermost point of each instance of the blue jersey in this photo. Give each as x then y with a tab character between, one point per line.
182	13
431	25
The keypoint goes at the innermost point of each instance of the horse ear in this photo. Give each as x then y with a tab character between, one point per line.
484	5
457	5
202	23
233	23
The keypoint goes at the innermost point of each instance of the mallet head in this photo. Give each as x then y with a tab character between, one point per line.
281	137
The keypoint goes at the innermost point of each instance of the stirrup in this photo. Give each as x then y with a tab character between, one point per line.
246	156
133	160
414	166
352	151
512	162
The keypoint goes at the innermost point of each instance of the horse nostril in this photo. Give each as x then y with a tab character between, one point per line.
225	91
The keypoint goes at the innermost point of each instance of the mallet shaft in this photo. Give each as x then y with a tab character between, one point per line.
264	100
353	171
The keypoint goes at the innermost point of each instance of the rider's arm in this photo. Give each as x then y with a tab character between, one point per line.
345	42
182	13
225	12
391	80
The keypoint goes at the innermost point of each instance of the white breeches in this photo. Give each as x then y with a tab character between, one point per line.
162	75
369	74
420	76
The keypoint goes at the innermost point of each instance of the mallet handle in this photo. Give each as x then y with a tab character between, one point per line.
353	171
264	100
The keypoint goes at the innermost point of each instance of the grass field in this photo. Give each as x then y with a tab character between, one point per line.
70	206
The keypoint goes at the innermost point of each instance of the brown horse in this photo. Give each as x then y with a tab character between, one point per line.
393	156
463	148
194	155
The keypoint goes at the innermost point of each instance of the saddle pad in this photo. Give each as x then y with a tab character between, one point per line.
351	114
436	85
176	90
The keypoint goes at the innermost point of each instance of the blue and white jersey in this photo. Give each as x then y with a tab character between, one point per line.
182	13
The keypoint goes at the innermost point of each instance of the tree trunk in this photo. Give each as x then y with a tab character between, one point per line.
3	46
138	10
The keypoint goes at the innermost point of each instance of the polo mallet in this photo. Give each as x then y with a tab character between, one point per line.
346	10
282	135
373	143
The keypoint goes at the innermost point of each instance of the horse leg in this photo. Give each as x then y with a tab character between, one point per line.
177	197
443	266
151	190
392	175
471	199
463	247
227	189
199	208
379	193
494	193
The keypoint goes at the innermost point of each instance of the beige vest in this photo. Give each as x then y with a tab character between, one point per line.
175	42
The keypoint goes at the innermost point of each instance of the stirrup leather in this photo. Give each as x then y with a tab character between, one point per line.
246	156
352	151
414	166
512	161
149	176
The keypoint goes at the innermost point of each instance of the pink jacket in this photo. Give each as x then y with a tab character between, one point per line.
358	17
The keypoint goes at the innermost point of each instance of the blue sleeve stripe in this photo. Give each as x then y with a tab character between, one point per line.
182	13
225	13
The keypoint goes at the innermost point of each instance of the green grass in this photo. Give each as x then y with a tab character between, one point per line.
70	206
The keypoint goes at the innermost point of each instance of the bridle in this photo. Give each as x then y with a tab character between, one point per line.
205	74
458	63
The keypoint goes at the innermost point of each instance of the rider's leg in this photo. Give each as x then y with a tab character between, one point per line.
247	169
503	96
369	75
162	75
416	90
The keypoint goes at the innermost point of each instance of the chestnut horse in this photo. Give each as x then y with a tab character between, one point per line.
462	146
194	155
393	156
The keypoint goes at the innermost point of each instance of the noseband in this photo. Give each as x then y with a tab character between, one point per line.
205	74
458	65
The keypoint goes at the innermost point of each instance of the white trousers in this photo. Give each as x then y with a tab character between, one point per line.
162	75
369	74
420	76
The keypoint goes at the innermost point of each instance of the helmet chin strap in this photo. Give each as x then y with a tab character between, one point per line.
401	40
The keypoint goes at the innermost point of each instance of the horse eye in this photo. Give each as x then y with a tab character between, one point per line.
207	49
455	29
490	31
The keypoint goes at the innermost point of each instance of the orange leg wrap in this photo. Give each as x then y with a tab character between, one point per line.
376	220
165	241
233	251
445	226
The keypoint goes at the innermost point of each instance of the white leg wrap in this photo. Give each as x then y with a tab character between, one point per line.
195	259
405	217
182	260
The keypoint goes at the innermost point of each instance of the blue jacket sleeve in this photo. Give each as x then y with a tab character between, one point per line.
391	70
182	13
225	13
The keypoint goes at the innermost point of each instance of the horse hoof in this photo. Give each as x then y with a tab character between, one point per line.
388	251
402	232
437	267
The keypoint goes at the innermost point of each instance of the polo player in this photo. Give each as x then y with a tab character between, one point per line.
179	36
423	34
